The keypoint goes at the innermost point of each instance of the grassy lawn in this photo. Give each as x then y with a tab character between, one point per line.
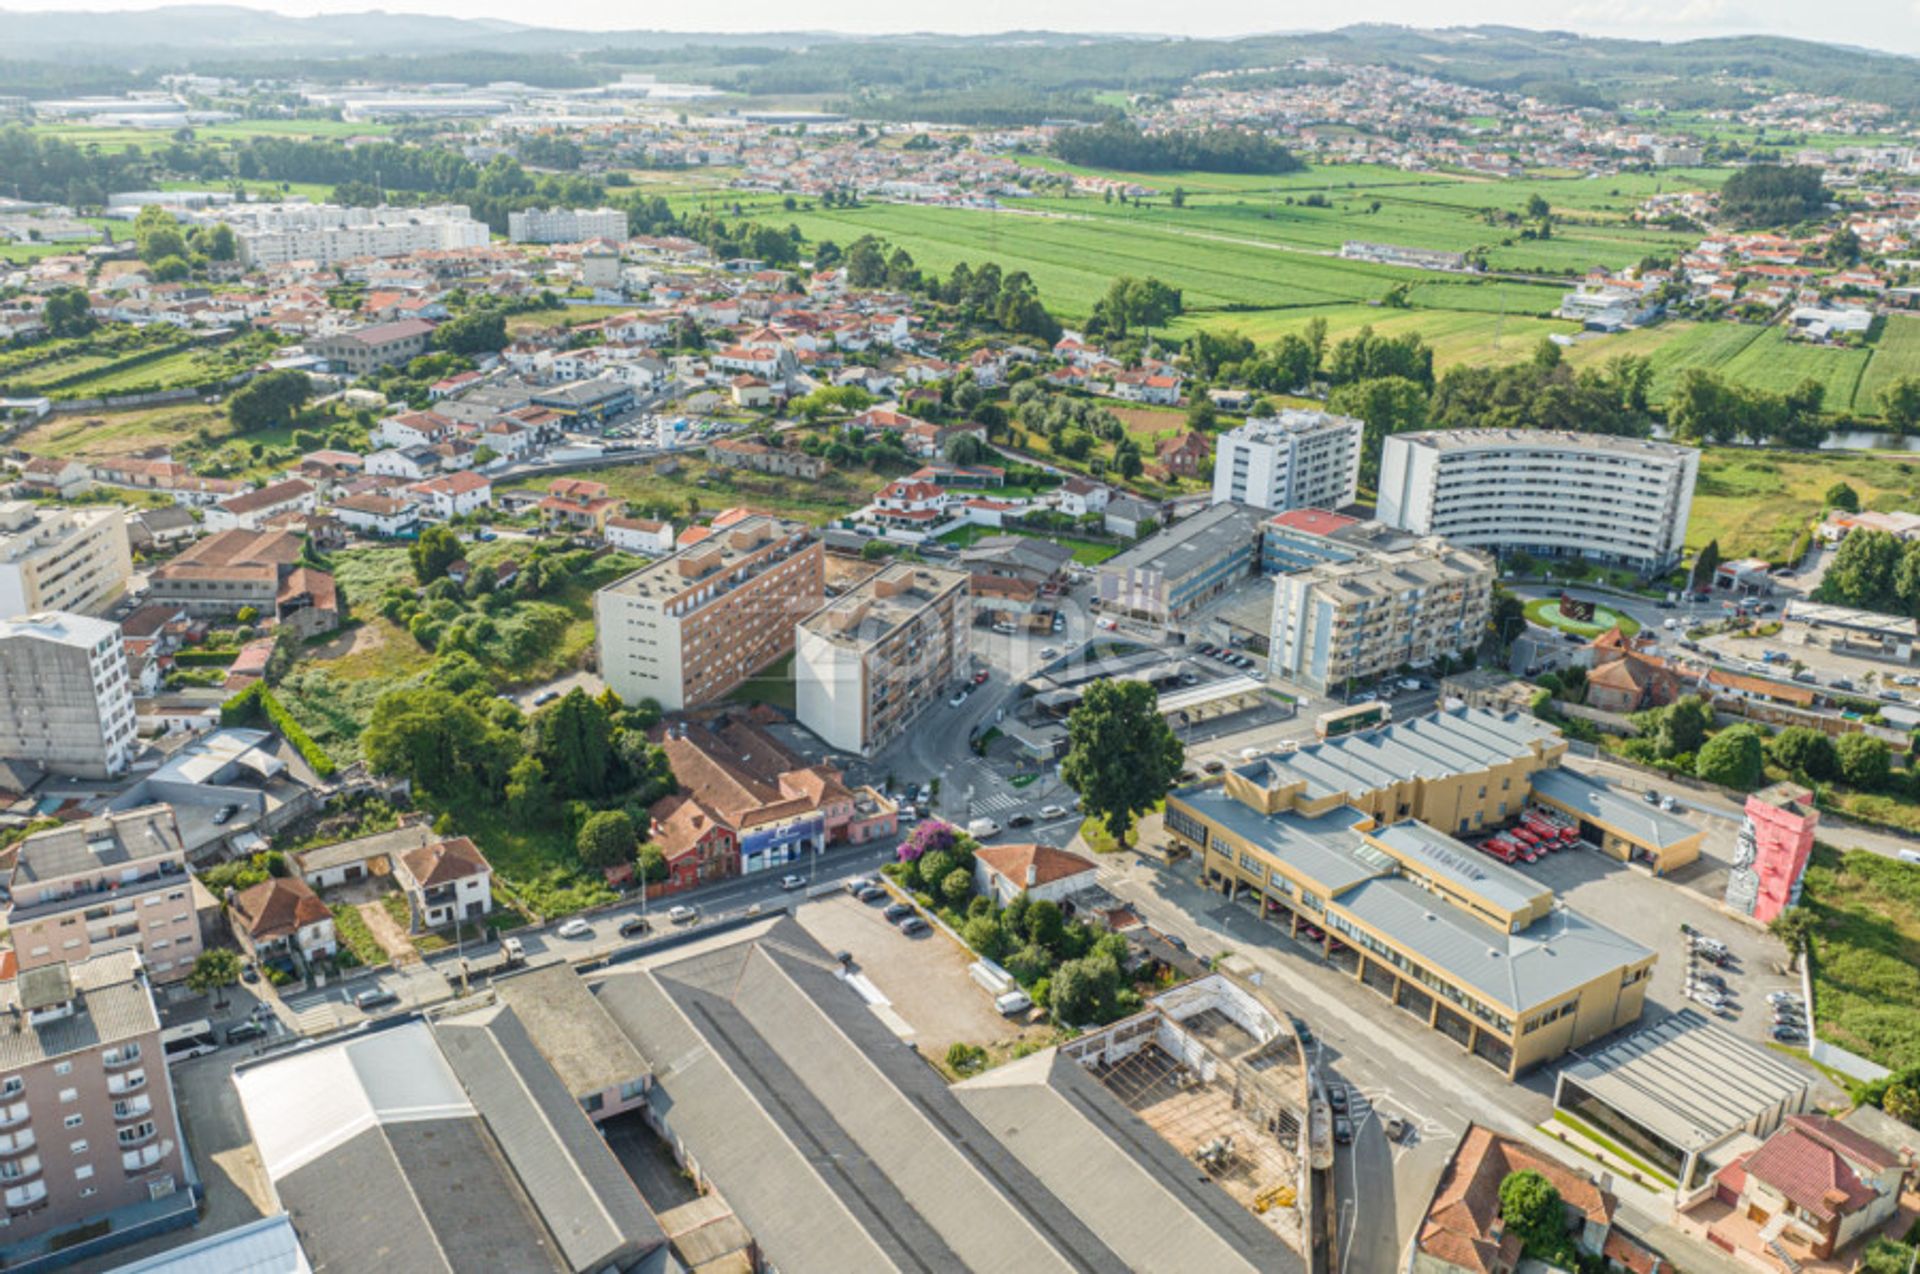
537	864
1866	953
714	488
1546	611
351	928
561	316
1896	354
772	685
1755	502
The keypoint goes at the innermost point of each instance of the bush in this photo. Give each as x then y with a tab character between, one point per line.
1732	758
1864	761
257	703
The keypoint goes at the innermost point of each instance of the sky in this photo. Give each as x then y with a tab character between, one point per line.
1887	24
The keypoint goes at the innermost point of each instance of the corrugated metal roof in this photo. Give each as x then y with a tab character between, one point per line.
1596	800
1326	850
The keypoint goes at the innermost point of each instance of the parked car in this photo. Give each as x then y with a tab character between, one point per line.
634	926
575	928
793	882
913	925
1049	653
1020	820
1668	804
377	997
957	700
1396	1128
1651	797
241	1032
898	911
1342	1130
1052	812
980	678
1337	1097
225	812
1788	1034
682	915
871	893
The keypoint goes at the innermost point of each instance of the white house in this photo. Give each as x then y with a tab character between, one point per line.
639	535
446	881
384	516
281	918
1004	872
1077	497
412	463
453	494
250	510
412	429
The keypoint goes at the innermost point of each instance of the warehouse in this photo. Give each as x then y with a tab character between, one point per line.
1625	827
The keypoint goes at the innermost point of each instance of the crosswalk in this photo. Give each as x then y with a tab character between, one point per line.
997	803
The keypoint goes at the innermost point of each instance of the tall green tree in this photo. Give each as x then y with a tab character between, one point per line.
1531	1208
1122	756
437	549
1385	405
573	737
214	970
269	401
607	839
1732	758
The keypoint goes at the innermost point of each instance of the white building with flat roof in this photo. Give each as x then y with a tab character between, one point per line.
276	234
66	698
1623	501
566	225
871	660
54	558
1298	459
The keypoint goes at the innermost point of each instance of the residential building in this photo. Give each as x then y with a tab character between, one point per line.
1170	575
1351	843
445	881
689	628
746	453
91	1135
325	234
872	659
1463	1231
1623	501
282	922
575	504
113	882
252	510
1298	459
640	535
66	695
566	225
382	516
65	559
453	495
1041	872
232	570
1345	621
1813	1189
366	349
1182	455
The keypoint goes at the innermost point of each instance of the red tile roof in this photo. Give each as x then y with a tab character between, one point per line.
1459	1223
1312	521
1049	864
444	861
275	908
1809	1163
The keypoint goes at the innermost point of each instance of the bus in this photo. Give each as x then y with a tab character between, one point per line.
1359	716
189	1039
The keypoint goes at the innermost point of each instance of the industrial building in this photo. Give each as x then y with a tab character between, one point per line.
687	629
1622	501
66	695
871	660
1298	459
1350	842
1170	575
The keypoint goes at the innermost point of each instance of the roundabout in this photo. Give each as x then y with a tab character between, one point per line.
1545	611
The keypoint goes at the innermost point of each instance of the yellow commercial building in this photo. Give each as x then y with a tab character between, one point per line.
1341	842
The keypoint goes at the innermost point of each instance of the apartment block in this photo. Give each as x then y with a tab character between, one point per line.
1360	618
689	628
1298	459
87	1123
566	225
117	882
325	234
874	658
66	696
61	559
1623	501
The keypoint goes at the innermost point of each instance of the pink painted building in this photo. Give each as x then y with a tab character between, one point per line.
1772	851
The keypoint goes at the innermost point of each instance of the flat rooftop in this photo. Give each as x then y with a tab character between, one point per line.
1434	746
1326	850
1598	801
1191	544
1380	574
1542	440
749	544
1434	853
881	604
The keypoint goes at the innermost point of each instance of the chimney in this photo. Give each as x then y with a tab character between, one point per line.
1033	874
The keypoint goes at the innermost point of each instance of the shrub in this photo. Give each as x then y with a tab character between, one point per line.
257	703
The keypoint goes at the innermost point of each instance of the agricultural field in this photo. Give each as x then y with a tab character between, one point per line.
122	433
1754	502
1895	354
1866	953
1457	336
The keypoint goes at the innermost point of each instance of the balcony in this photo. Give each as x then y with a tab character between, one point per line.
134	1108
17	1143
138	1135
12	1170
115	1058
14	1115
145	1157
25	1196
132	1081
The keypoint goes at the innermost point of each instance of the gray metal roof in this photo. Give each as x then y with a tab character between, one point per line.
1137	1193
1191	544
111	1003
1433	746
392	843
1558	953
265	1246
1597	800
96	844
1439	854
1323	849
566	1023
836	1145
1693	1082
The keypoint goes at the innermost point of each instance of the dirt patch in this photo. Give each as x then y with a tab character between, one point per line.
391	936
362	640
1147	422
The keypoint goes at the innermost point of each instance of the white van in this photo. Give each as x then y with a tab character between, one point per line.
983	828
1014	1001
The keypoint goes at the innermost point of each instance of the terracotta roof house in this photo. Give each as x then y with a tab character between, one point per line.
1004	872
1813	1189
1462	1230
282	921
1623	678
445	881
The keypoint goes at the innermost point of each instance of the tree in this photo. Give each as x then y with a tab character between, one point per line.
652	862
1806	752
955	886
1122	756
1794	927
1900	403
573	738
1704	566
68	312
529	797
439	740
1530	1207
1085	990
1842	496
269	401
607	840
214	970
1732	758
1902	1101
483	332
967	449
437	549
1682	726
1865	762
1772	195
1385	405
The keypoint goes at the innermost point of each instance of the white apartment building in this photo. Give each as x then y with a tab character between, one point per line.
1622	501
276	234
1296	460
1361	618
871	660
566	225
66	697
61	559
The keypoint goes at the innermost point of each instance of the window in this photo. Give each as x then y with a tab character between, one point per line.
84	1171
77	1147
69	1094
12	1086
74	1121
63	1068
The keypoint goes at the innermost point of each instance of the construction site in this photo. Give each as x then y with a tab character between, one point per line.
1219	1075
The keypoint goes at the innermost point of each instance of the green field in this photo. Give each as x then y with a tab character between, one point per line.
1896	354
1754	502
1866	953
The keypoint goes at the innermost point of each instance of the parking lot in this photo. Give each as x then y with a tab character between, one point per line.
924	977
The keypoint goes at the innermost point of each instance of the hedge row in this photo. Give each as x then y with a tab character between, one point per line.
256	702
205	658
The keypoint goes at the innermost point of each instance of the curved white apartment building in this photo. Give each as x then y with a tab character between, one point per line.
1622	501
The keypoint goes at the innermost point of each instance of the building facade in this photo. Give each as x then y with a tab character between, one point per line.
367	349
689	628
112	883
66	696
325	234
87	1121
1623	501
1341	621
566	225
1298	459
61	559
871	660
1168	576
